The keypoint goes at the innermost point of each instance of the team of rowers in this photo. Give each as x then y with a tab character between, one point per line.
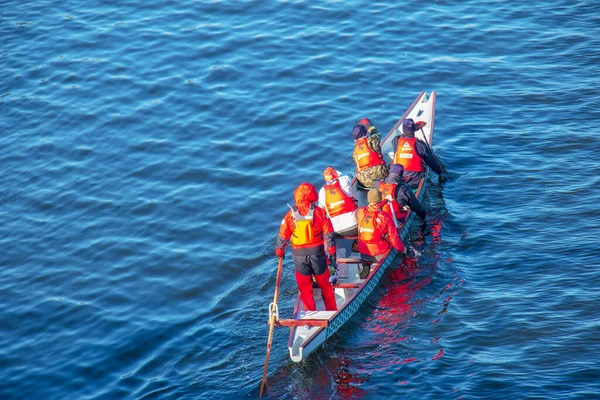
315	220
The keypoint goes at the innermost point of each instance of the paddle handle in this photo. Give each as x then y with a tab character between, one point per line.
433	153
278	282
272	317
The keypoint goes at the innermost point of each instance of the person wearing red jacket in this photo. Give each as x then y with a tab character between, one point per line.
308	229
377	232
337	198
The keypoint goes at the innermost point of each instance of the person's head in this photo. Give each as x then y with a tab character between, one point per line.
395	173
358	132
408	126
374	196
365	122
304	195
330	174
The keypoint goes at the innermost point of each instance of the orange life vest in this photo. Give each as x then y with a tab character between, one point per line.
387	192
364	156
406	154
367	231
371	240
305	233
337	201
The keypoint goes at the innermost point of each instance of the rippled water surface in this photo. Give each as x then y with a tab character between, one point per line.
149	150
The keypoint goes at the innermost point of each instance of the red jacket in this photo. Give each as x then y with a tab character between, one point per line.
307	236
376	231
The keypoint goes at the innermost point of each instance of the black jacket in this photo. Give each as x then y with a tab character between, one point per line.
405	196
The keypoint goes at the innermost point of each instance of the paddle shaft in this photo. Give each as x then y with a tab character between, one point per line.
263	383
433	153
395	221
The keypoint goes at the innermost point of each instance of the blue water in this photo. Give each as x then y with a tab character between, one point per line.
149	149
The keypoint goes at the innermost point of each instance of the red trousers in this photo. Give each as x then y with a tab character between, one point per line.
305	285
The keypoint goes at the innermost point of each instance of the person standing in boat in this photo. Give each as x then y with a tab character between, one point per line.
377	232
400	197
308	229
414	154
370	164
337	198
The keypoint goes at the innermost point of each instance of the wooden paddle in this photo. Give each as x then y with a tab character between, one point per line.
420	126
406	246
272	318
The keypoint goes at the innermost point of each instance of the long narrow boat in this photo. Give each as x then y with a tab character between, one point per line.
310	329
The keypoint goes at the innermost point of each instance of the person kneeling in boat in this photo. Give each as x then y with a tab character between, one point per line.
399	196
370	165
414	154
377	232
337	199
308	228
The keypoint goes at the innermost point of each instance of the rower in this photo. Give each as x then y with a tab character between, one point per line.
400	198
414	154
337	198
377	232
370	164
308	229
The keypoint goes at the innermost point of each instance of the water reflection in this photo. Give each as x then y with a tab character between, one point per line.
379	343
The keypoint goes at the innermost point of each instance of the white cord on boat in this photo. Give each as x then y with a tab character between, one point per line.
273	310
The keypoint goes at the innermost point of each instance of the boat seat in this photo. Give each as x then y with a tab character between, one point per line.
315	314
354	285
353	260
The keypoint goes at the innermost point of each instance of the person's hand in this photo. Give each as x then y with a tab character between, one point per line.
411	252
332	258
279	253
333	278
333	268
443	177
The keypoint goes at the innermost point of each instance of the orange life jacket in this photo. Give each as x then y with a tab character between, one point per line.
364	156
387	193
367	231
406	154
370	239
305	233
336	201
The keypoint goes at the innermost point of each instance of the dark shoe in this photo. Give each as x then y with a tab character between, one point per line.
365	271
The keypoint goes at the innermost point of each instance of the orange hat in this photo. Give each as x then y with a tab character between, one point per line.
304	195
330	174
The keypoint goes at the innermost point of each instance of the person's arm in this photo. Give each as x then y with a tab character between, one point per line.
374	142
389	226
430	159
285	232
327	231
322	198
395	142
346	185
354	156
414	203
